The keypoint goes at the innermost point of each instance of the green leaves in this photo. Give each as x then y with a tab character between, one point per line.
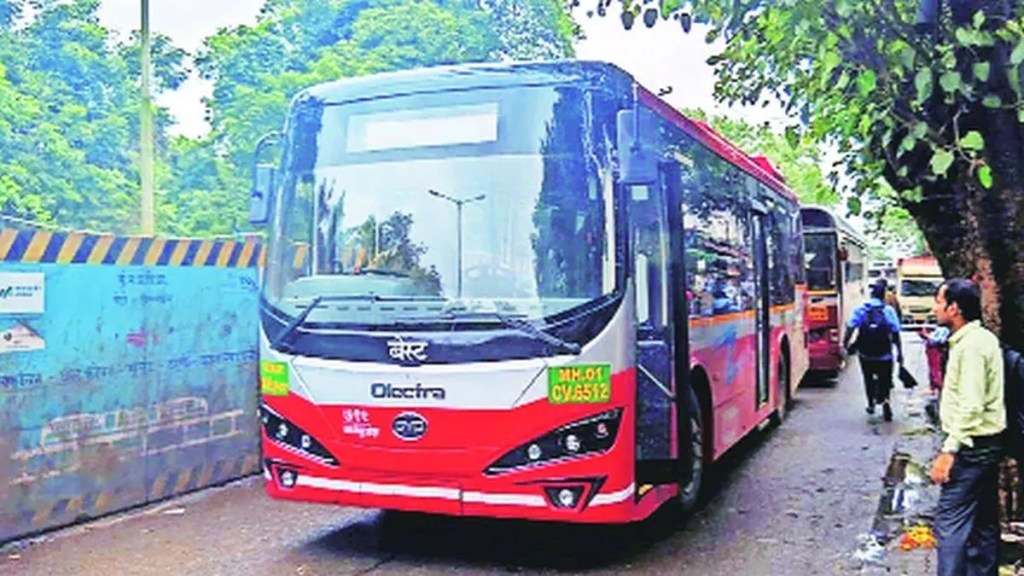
906	56
985	176
792	137
951	81
941	162
923	83
1017	56
853	204
974	37
973	140
830	60
982	70
867	81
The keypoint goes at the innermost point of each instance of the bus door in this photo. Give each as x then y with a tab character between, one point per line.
660	347
762	304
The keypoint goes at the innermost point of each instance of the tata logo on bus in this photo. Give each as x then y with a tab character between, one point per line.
409	426
385	391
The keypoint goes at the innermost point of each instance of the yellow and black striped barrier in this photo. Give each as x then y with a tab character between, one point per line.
165	485
46	247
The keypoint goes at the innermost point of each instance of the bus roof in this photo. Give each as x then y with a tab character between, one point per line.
820	219
919	266
497	75
469	77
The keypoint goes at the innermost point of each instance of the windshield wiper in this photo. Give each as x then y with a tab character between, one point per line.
524	327
377	272
300	318
384	272
296	322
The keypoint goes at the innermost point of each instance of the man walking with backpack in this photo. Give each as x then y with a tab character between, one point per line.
973	415
878	329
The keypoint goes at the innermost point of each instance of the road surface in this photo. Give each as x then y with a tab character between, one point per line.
790	500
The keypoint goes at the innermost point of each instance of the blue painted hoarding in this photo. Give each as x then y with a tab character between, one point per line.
131	384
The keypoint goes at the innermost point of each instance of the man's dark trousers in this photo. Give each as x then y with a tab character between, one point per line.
877	379
967	519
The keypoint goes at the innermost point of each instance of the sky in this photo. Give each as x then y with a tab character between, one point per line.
658	58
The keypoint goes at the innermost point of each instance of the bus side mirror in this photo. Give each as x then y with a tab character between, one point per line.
638	150
263	176
259	196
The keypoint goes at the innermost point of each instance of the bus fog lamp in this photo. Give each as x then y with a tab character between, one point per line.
533	452
572	443
288	479
566	498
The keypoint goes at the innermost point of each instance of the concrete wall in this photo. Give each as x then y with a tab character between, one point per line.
127	372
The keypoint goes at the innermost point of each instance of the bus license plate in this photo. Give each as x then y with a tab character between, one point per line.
580	384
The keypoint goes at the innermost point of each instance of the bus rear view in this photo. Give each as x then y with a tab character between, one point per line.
451	314
834	252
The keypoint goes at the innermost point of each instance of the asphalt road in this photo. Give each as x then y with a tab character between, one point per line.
788	501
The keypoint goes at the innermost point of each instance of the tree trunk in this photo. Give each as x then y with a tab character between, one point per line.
975	232
978	233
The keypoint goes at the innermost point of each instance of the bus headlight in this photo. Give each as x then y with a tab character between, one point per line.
290	436
593	435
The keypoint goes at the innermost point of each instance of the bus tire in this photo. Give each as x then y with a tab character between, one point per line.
784	392
691	493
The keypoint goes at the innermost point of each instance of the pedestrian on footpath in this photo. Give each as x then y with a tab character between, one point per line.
890	298
973	418
878	330
936	352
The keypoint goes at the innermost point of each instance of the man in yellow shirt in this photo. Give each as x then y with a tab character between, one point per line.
973	418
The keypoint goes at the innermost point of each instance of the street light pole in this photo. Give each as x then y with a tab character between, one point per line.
146	130
458	232
459	203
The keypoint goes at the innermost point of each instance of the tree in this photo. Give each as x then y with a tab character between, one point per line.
68	109
795	155
932	105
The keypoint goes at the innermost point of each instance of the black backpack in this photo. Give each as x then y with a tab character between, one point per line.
1013	397
874	335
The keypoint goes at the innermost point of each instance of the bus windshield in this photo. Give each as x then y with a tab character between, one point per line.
489	201
820	255
919	286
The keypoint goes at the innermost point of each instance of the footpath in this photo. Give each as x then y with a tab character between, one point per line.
901	538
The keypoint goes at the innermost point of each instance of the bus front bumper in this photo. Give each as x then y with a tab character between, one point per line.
576	499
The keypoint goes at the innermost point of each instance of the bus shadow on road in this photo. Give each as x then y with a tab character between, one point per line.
481	543
422	540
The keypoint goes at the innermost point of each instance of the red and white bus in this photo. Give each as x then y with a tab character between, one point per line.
521	291
835	254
